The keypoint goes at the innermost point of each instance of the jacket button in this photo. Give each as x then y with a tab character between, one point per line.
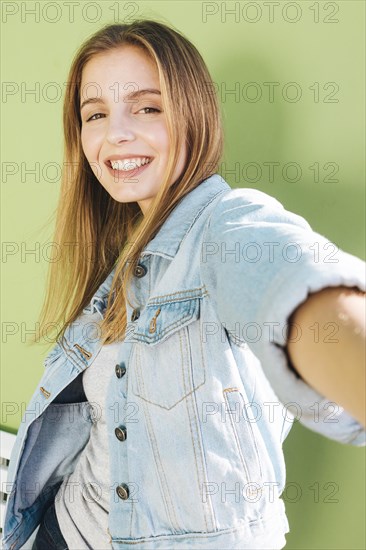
122	491
135	314
121	433
140	271
120	370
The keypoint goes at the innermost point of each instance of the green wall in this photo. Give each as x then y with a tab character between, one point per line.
312	127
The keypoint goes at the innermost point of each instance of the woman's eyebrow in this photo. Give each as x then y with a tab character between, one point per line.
127	99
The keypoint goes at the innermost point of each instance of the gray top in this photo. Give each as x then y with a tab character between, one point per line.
82	501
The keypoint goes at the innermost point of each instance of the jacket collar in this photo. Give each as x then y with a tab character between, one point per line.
170	235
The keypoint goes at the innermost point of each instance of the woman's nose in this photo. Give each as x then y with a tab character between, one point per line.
120	129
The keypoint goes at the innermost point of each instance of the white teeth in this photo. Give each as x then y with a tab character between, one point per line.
129	164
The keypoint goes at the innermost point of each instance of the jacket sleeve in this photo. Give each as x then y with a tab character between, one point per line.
259	262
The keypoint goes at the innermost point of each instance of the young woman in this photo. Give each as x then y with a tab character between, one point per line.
183	353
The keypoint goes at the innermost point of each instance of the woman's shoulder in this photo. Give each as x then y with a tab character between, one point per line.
235	201
247	196
247	205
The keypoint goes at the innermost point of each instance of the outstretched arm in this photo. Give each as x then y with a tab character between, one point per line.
262	265
327	346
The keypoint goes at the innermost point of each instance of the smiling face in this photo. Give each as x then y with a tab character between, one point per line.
123	123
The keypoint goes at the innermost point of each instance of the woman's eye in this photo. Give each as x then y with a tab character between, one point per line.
92	117
151	109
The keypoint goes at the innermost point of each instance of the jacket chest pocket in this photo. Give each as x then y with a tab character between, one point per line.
166	364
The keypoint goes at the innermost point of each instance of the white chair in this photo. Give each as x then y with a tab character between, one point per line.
6	444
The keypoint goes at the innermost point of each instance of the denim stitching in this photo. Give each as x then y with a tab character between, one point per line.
150	303
161	472
235	432
139	389
193	314
209	500
193	417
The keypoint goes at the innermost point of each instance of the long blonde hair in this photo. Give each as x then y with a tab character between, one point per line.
110	233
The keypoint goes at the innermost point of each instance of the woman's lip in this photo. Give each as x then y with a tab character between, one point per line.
123	174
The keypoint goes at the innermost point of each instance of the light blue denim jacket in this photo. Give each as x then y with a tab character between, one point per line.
202	388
